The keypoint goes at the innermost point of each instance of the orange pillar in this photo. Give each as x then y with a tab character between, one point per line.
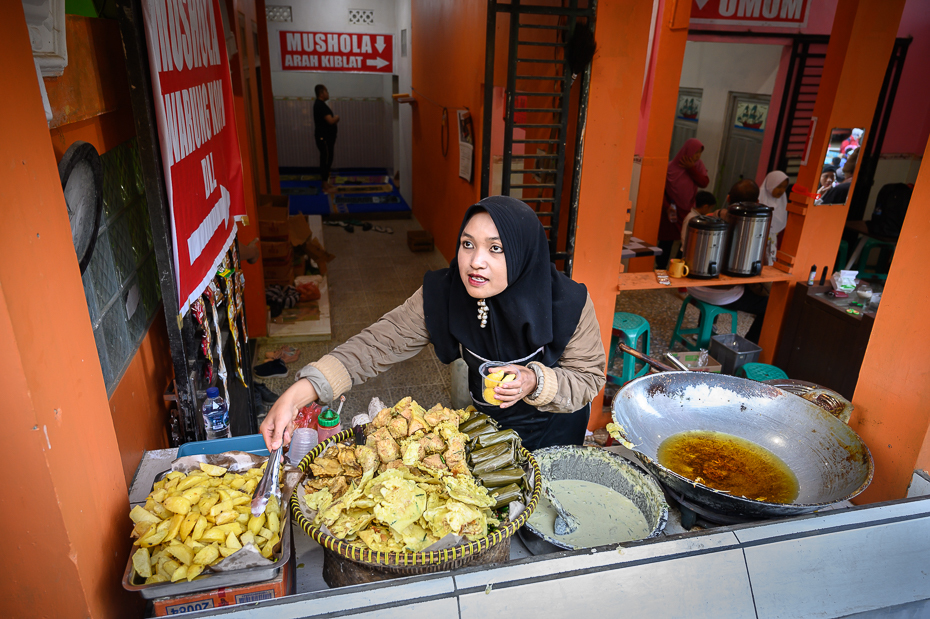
613	112
892	397
860	45
64	495
660	101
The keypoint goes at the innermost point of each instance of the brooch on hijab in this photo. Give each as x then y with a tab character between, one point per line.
483	313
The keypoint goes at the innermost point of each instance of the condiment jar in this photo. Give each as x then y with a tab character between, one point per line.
329	424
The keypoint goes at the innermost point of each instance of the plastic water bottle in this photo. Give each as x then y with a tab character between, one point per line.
215	415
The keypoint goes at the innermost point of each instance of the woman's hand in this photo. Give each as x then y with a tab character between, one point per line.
688	162
523	385
279	423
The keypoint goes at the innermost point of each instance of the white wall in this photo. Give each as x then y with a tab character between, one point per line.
719	69
333	16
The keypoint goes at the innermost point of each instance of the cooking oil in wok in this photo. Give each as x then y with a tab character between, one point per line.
729	463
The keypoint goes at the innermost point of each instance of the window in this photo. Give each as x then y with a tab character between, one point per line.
278	13
361	17
121	282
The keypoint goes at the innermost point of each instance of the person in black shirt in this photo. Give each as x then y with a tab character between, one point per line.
324	132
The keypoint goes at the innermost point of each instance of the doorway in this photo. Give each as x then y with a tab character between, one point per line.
742	140
687	116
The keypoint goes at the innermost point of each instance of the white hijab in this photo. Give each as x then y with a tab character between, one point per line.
780	216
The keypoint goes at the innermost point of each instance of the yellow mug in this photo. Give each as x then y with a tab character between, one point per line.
677	268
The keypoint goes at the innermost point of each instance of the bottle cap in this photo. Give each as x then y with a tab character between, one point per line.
213	392
328	418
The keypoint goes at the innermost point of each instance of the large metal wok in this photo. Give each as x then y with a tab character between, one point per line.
831	462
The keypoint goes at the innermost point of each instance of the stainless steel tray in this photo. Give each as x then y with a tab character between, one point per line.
210	581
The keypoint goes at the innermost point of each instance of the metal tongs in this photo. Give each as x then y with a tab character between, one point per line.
269	485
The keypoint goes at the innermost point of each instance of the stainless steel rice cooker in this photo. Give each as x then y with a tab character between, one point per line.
705	243
749	231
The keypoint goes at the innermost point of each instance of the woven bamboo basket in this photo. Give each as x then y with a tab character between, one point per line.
407	563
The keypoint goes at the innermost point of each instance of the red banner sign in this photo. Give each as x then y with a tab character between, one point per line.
197	134
337	52
758	13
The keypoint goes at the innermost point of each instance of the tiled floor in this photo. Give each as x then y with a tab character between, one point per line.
372	274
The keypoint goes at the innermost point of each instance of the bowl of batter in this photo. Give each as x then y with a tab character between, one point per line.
613	499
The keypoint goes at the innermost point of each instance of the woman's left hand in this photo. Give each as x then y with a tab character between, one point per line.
513	391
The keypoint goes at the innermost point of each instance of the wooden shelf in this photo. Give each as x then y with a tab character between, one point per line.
647	280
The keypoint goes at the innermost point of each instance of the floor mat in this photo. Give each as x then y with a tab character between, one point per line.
358	191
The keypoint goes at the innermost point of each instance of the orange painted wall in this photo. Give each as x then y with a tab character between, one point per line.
140	416
255	279
610	138
447	56
892	412
65	472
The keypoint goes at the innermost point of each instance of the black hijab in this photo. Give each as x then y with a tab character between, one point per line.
540	307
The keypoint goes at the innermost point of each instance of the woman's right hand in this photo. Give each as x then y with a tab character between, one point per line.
278	424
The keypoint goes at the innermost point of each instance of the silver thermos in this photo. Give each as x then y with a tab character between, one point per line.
705	243
749	231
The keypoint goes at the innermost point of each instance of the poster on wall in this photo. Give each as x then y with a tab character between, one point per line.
339	52
757	13
466	144
689	107
197	134
751	115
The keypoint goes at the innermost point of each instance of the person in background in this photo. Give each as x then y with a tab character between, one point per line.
852	140
739	297
686	174
324	132
704	203
827	179
773	193
839	193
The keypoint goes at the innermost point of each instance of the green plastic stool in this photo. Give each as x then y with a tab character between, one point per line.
705	326
880	270
631	328
760	372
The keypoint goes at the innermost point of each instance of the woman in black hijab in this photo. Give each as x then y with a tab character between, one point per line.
501	304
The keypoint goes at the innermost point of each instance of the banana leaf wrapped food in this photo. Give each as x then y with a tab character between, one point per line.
477	420
496	463
486	440
481	430
505	494
502	477
480	455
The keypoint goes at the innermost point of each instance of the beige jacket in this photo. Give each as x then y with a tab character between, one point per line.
401	334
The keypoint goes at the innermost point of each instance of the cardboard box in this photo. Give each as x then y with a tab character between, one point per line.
692	361
273	218
276	251
284	584
269	200
282	275
419	240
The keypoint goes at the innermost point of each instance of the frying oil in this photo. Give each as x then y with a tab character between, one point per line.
729	463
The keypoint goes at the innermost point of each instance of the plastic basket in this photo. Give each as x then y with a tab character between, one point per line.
732	351
409	562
